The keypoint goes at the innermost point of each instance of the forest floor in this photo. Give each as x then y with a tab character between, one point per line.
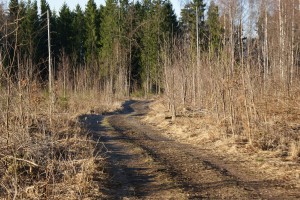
147	158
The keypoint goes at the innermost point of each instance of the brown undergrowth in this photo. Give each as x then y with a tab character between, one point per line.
275	148
40	159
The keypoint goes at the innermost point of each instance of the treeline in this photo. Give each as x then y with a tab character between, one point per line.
117	45
122	42
125	46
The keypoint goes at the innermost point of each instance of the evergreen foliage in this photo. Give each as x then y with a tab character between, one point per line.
214	27
13	9
65	29
42	50
118	37
109	34
92	39
79	35
188	22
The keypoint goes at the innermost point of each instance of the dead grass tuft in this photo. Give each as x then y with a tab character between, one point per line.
295	151
43	161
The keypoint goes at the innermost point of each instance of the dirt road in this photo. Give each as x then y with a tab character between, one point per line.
143	164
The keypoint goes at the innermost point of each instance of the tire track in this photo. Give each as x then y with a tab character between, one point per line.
198	172
131	171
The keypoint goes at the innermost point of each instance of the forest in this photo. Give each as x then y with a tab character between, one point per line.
236	60
123	46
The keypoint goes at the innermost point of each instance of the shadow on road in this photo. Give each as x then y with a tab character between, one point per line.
125	177
196	171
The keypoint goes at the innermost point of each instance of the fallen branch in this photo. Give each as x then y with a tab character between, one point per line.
20	159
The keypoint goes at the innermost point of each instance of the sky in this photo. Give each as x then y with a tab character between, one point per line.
56	4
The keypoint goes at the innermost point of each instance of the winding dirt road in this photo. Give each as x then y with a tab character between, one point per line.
143	164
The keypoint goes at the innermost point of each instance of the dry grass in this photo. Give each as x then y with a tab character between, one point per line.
295	150
43	161
275	150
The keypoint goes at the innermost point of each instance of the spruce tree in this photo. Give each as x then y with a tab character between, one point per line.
13	27
55	41
29	29
110	41
32	28
79	34
109	29
42	52
65	29
91	41
21	37
214	28
137	33
13	9
150	46
169	23
160	24
188	22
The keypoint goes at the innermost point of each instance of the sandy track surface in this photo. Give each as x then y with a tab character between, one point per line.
143	164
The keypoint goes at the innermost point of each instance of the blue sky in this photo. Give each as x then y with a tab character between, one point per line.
56	4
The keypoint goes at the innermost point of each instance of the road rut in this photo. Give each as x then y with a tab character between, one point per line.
143	164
